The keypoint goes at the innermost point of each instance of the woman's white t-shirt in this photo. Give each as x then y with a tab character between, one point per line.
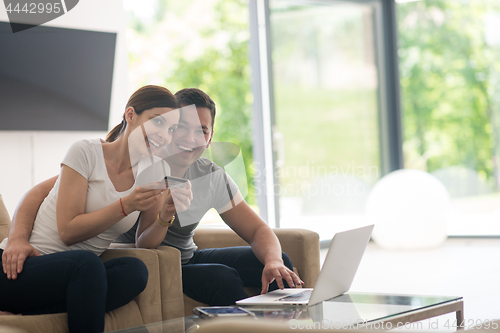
85	157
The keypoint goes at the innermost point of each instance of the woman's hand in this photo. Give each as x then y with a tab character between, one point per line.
140	199
14	255
150	233
178	200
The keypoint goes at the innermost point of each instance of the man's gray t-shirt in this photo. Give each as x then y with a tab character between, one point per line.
212	187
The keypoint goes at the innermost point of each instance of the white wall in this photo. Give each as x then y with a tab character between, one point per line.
29	157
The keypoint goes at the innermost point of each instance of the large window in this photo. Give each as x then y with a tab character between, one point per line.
326	96
325	84
449	53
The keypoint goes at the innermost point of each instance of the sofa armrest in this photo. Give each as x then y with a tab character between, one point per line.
4	221
149	301
172	299
170	279
301	246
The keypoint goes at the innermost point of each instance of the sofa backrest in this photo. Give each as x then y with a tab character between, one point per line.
4	220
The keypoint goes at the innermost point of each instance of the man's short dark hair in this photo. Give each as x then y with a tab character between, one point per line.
197	97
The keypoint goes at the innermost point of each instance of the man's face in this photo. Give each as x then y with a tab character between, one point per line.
192	136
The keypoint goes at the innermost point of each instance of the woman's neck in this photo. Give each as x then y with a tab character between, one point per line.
117	154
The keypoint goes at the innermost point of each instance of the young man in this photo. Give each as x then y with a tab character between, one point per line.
212	276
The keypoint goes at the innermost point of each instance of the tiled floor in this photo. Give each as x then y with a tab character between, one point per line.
463	267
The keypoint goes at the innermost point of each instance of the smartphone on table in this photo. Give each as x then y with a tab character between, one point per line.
221	311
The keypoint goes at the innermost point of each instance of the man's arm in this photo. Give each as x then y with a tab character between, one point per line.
149	233
18	248
265	245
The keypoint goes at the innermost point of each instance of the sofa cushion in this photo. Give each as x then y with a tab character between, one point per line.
38	324
8	329
149	301
4	220
124	317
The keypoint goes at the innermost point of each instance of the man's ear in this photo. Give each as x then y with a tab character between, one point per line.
210	140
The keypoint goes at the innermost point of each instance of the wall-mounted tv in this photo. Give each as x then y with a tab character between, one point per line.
55	79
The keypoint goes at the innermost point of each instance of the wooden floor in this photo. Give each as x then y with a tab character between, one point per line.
460	267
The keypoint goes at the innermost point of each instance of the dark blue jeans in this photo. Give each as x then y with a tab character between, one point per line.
217	276
76	282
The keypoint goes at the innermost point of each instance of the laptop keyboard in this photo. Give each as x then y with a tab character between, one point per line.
303	296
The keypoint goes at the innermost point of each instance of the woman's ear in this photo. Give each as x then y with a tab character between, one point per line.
130	114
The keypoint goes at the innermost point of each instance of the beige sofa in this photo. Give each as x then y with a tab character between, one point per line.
161	300
302	246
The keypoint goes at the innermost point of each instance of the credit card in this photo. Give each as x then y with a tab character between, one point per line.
174	182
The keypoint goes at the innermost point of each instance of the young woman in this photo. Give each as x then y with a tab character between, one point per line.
96	198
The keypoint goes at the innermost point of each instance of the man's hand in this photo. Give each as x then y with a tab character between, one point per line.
276	270
178	200
14	255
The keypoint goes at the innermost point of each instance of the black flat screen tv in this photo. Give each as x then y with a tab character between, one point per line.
55	79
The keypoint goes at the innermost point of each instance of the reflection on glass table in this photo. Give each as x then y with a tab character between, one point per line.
350	310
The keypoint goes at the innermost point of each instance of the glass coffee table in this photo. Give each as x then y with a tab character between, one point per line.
348	311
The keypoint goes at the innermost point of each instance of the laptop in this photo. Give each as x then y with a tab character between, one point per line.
334	279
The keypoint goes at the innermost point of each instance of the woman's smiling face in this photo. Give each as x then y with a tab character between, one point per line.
153	130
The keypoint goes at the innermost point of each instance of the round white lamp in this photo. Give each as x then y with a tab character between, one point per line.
409	209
